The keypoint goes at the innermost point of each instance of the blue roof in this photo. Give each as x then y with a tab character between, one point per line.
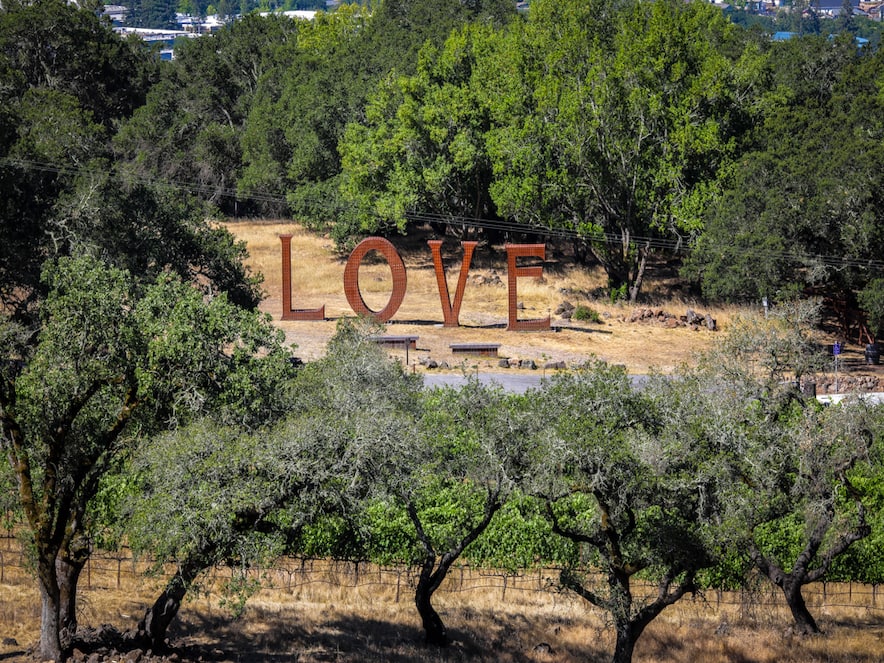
784	36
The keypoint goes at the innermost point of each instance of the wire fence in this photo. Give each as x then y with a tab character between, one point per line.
323	580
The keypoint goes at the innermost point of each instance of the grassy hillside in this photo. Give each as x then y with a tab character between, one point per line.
318	280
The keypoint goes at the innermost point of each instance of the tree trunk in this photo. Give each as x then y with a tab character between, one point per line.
636	286
153	627
805	624
50	601
436	633
68	576
627	636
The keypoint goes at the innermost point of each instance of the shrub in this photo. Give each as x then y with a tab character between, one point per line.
582	312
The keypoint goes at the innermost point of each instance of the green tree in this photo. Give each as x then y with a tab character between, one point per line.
300	115
426	471
159	14
845	21
110	360
189	130
871	298
422	147
320	81
789	472
622	484
622	116
475	447
66	80
233	494
801	199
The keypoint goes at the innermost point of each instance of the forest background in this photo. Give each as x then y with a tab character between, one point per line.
143	397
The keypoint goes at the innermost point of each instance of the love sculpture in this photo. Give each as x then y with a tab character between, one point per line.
450	310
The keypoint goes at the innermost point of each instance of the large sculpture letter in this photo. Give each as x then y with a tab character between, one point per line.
289	313
451	312
351	278
514	251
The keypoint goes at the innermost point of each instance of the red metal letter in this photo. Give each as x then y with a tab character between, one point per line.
351	278
514	251
289	313
450	312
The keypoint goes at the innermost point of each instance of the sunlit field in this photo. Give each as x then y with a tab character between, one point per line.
317	277
317	611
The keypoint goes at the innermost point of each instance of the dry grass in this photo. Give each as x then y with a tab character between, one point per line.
318	279
328	613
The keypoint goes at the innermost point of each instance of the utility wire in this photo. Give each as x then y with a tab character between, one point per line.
678	245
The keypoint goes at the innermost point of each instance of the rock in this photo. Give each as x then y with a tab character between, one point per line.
710	323
10	642
543	648
431	363
504	363
134	656
521	306
528	363
554	365
443	364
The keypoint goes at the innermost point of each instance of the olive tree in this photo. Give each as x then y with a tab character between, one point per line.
212	494
428	470
786	465
239	492
626	489
112	359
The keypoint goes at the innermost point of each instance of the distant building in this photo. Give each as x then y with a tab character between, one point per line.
116	13
304	14
165	38
832	8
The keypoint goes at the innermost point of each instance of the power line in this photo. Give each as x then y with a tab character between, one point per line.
678	245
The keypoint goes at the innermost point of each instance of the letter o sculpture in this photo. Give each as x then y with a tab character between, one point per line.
351	278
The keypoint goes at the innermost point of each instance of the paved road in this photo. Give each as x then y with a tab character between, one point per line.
515	382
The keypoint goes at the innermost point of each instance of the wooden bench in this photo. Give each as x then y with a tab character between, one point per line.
481	349
395	341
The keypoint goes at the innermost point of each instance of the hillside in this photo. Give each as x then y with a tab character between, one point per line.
649	336
655	341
